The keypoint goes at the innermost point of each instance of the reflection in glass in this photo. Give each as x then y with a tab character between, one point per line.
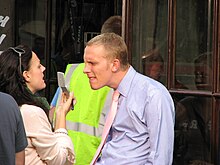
192	131
153	64
203	72
149	38
193	39
31	30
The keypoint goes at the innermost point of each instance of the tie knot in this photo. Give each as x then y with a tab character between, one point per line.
115	95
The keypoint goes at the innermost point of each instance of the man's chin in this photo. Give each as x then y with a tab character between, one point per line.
95	87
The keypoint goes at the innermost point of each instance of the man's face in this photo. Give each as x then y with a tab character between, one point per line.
97	66
154	70
202	77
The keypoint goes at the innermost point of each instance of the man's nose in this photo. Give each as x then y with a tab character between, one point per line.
86	69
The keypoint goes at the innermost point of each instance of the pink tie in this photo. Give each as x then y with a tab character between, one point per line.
108	125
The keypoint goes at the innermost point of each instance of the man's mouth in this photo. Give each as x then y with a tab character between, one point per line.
91	78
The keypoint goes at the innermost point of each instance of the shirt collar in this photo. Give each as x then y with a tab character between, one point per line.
125	84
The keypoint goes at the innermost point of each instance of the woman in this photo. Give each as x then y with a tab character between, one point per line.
21	75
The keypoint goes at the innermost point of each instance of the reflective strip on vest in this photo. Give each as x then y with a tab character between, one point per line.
84	128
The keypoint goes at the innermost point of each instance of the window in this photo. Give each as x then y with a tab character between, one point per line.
56	30
175	41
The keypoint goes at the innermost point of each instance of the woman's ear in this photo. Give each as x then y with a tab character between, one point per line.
26	76
116	65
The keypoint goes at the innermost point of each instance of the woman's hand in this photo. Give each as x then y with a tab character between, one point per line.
66	103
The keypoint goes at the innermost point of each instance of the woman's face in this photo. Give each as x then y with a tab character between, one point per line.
34	76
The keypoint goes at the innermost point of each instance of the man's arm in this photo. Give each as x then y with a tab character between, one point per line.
160	121
20	158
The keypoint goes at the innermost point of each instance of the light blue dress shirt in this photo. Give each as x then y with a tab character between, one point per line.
143	129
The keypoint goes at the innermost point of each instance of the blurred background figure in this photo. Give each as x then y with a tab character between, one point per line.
112	24
193	120
203	72
153	64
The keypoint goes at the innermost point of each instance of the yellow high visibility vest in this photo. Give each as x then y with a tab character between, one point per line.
83	123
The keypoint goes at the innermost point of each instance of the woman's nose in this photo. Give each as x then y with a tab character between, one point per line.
43	68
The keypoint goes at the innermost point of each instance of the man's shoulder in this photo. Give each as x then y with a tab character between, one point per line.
149	86
8	103
6	97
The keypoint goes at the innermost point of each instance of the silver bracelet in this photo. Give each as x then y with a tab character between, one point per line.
61	132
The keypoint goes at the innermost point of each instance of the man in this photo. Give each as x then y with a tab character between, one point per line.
12	134
85	123
143	129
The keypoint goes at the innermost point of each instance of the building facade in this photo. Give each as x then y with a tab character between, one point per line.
185	34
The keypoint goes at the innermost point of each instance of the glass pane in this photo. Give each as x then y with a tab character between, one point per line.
149	37
193	44
217	115
30	28
192	131
30	23
75	22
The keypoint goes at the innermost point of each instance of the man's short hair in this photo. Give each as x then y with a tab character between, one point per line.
114	45
112	25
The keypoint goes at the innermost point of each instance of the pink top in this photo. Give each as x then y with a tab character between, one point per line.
45	146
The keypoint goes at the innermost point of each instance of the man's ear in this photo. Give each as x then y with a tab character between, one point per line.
116	65
26	76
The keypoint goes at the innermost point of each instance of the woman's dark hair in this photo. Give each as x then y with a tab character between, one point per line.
11	78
